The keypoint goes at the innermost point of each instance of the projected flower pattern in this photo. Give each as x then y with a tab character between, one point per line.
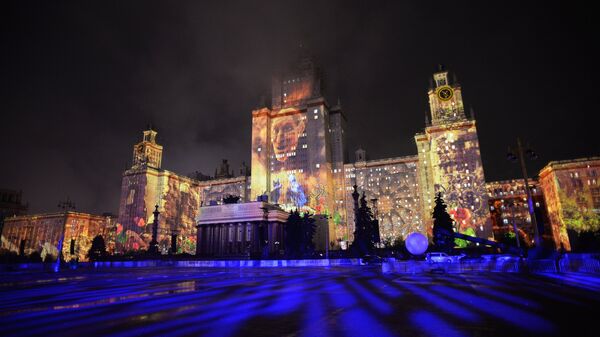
459	176
395	187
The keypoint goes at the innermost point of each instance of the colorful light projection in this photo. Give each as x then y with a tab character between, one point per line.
572	193
178	199
391	185
453	164
289	161
41	233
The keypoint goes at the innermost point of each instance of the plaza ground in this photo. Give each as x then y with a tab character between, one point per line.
318	301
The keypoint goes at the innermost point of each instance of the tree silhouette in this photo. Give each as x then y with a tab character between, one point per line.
299	233
309	228
366	228
442	226
98	249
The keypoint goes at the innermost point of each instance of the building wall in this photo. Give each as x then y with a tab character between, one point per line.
337	126
42	233
145	185
508	205
572	193
452	161
394	183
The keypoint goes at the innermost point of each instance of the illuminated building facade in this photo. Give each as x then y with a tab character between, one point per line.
299	160
297	144
41	233
572	194
508	205
178	198
450	160
391	185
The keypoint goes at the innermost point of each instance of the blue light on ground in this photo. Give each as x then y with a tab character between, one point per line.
340	301
434	325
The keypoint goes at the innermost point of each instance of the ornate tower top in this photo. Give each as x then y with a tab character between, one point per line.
445	99
150	136
147	152
361	155
300	82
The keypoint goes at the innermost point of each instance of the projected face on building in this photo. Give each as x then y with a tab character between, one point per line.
288	181
285	132
289	159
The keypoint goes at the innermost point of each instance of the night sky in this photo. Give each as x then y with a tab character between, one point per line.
81	80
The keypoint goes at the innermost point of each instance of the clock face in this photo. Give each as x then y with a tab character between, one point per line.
445	93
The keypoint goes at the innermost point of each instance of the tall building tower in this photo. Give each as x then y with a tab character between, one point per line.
146	185
147	152
297	143
450	161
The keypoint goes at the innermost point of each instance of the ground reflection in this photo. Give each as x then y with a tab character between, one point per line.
341	301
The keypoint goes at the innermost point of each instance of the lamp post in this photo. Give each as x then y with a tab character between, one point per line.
520	155
153	249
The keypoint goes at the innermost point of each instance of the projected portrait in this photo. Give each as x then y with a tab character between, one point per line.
287	168
285	132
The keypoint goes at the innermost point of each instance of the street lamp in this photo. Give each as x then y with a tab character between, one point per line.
520	156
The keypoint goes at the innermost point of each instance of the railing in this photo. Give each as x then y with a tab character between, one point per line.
503	265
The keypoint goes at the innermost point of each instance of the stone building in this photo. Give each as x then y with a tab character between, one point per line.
572	192
42	233
252	229
509	208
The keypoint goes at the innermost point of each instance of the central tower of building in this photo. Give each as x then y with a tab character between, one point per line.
297	145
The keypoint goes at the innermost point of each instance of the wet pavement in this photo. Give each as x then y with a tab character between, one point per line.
336	301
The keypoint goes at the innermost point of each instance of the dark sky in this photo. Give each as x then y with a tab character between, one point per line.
81	80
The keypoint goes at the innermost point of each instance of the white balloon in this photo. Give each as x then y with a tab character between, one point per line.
416	243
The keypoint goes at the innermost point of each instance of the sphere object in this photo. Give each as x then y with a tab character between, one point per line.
416	243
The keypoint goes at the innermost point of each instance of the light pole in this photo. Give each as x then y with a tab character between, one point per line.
153	249
520	155
66	206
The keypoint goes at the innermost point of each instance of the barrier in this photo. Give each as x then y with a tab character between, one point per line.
495	265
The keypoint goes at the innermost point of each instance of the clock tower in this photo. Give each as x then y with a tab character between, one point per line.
147	152
445	100
450	161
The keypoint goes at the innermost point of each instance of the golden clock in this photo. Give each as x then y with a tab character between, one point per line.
445	93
